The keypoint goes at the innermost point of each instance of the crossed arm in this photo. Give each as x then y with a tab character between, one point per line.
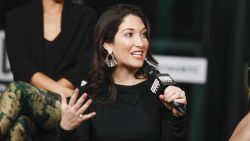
62	86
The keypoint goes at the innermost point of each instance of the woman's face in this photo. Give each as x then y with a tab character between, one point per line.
130	43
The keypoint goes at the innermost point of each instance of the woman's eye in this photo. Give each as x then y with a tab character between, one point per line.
144	34
128	34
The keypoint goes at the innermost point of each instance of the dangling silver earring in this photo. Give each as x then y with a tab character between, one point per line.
110	62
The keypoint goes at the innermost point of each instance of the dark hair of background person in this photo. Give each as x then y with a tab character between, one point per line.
106	29
6	5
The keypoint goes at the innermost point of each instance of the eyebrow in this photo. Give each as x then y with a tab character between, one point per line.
133	29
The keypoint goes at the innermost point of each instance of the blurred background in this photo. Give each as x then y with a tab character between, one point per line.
204	45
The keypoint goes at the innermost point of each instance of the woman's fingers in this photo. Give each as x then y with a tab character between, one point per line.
171	93
175	96
85	107
87	116
63	101
168	105
73	98
80	101
75	112
182	101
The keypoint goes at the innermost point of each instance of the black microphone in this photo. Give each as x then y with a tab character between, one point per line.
159	82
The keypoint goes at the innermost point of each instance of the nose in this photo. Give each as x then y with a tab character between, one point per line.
139	41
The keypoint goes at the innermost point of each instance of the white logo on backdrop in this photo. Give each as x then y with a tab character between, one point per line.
5	72
184	69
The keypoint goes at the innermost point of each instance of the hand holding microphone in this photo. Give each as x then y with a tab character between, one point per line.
173	97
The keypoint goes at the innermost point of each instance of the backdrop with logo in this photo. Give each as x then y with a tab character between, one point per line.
5	72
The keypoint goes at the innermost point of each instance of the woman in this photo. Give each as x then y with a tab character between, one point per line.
49	44
241	132
123	108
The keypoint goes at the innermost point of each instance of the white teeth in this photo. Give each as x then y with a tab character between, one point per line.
137	53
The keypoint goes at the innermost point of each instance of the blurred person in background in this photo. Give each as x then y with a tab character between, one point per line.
242	130
49	45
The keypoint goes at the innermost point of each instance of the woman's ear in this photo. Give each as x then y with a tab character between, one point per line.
107	46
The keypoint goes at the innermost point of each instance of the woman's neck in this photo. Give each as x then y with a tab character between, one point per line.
52	7
126	77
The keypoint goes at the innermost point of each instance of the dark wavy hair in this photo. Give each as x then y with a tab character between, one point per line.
101	81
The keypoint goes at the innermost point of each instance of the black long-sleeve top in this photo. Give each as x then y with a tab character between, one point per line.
137	115
73	47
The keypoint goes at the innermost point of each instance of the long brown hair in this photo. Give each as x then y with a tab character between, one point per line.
101	81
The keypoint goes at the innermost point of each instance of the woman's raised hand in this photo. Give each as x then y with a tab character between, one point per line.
73	113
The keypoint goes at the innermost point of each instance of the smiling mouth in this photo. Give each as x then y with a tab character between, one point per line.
137	53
